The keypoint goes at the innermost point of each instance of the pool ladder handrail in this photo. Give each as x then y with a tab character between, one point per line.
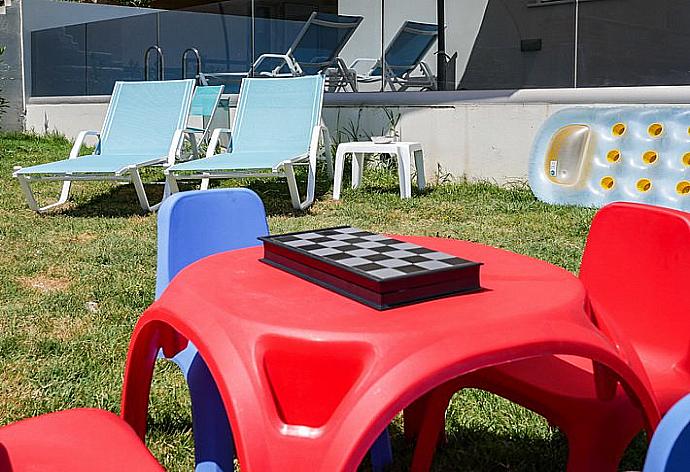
161	62
199	76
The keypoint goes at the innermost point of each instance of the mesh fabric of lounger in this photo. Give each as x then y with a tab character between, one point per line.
315	50
404	54
144	126
204	106
277	126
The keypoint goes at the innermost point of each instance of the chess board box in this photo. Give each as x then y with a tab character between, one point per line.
374	269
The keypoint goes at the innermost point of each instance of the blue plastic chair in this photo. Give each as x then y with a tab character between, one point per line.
669	450
193	225
404	54
315	50
144	126
277	127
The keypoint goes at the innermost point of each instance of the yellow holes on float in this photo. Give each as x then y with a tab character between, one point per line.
686	159
618	130
643	185
683	188
655	130
650	157
607	183
614	156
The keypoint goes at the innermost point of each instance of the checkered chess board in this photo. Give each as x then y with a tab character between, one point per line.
373	256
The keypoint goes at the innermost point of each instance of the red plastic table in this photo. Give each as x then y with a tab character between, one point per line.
310	378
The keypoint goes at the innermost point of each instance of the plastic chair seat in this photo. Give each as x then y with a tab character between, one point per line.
74	440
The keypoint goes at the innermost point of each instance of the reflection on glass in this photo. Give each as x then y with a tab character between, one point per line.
363	50
58	61
115	51
315	48
633	42
521	44
404	59
223	43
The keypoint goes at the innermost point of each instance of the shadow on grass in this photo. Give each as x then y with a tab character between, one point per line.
467	449
121	200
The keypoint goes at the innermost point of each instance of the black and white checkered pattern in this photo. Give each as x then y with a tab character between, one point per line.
373	255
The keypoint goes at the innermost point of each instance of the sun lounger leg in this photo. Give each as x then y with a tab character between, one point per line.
141	191
292	185
139	187
31	200
297	204
171	183
205	183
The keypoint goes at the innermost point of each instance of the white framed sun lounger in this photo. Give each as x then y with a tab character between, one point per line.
144	126
277	127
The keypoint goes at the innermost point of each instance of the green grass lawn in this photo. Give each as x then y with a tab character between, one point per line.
73	283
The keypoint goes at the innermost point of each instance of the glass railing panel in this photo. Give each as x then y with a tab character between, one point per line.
115	51
411	36
58	61
361	55
222	39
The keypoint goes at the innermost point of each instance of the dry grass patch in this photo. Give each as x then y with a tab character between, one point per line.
44	284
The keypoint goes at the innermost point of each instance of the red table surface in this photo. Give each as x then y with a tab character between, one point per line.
310	378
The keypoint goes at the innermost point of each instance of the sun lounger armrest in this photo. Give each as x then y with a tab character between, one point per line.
372	60
79	142
215	137
175	146
294	67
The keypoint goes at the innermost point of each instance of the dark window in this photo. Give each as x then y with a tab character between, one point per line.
523	44
634	42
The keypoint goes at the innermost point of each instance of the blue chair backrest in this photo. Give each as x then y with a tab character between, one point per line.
408	48
277	114
143	116
669	450
196	224
206	100
322	38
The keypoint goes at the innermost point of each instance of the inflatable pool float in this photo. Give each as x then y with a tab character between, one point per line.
591	156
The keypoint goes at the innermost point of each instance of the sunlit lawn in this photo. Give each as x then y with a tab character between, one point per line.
73	282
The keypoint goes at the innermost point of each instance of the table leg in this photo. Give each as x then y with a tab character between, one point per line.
338	176
357	169
404	174
419	166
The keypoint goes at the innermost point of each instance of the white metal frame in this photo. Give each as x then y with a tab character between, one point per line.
319	137
397	84
127	174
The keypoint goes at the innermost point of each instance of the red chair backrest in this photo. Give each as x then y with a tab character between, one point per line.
636	269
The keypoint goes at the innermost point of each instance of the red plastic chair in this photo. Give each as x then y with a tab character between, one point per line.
74	440
634	267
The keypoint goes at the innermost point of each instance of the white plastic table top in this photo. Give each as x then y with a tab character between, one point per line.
404	151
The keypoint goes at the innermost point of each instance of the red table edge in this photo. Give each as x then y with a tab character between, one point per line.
159	328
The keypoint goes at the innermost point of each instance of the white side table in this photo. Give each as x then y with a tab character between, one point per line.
403	151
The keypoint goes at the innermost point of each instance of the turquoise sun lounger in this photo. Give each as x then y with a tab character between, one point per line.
277	126
144	126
